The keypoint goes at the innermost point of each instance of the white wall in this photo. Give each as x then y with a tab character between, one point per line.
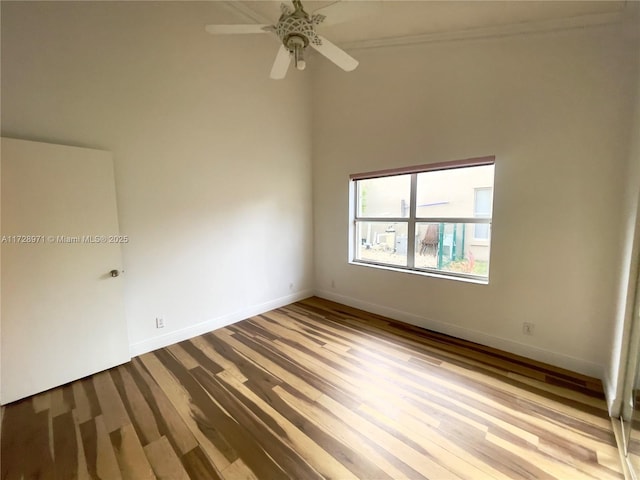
212	158
553	108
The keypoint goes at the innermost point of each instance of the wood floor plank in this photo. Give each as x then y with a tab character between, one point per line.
239	470
92	396
132	460
65	446
82	406
465	465
545	466
345	451
393	445
350	435
180	400
281	366
202	359
25	439
164	461
214	418
354	383
182	356
316	390
321	461
106	463
458	390
89	435
41	401
62	400
442	343
83	470
137	407
202	344
114	414
167	418
199	467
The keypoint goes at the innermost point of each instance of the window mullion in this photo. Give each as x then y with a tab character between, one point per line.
411	227
454	219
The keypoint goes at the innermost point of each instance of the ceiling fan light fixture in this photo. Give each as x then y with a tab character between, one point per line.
296	46
298	58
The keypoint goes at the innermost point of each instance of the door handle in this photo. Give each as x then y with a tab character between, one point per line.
114	273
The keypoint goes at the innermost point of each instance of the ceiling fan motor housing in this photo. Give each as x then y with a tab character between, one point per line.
298	23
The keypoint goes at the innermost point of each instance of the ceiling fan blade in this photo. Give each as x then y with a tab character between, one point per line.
343	11
281	64
242	29
335	54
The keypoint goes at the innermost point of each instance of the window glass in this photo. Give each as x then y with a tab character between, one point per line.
481	231
445	247
482	209
482	203
384	197
382	242
451	193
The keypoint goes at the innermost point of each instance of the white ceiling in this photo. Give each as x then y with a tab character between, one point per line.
373	23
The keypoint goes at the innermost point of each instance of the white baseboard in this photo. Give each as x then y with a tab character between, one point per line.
578	365
176	336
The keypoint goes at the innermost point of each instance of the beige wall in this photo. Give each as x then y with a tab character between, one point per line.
554	110
212	158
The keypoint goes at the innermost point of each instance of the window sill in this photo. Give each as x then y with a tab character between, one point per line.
423	273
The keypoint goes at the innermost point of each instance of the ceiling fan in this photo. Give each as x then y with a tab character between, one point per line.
296	29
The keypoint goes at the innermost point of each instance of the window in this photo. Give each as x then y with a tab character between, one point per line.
433	218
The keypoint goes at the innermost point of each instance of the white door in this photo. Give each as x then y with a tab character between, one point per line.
62	311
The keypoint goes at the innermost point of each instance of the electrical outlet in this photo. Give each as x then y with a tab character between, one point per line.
527	328
159	322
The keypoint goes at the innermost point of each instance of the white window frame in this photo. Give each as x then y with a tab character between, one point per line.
412	219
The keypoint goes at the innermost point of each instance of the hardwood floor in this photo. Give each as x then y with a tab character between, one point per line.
316	390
